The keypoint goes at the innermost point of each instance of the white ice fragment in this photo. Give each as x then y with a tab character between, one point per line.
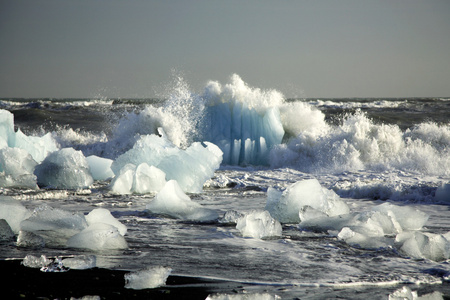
424	245
13	212
54	225
361	237
443	193
100	167
32	261
246	296
190	167
80	262
172	201
27	239
16	168
102	215
259	224
286	206
149	278
408	218
404	293
142	179
64	169
38	147
7	134
97	237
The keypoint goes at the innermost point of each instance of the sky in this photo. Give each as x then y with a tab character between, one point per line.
303	48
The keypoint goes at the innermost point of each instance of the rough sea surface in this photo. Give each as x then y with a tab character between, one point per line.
368	151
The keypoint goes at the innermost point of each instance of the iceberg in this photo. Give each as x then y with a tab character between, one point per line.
97	237
102	215
244	122
191	168
54	225
286	206
64	169
142	179
172	201
100	167
16	168
13	212
259	224
149	278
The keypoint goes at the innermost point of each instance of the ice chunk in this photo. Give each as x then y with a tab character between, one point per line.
80	262
405	293
16	168
443	193
54	225
408	218
7	134
142	179
149	278
64	169
38	147
148	179
102	215
246	296
100	167
364	237
97	237
259	224
231	217
172	201
6	232
286	206
32	261
30	240
424	245
190	167
13	212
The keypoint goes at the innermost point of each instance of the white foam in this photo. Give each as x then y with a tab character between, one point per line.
149	278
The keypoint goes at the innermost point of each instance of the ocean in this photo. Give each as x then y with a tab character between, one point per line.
366	151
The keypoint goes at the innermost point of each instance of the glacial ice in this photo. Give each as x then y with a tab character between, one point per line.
54	225
6	232
405	293
149	278
424	245
32	261
100	167
190	167
80	262
244	122
172	201
259	224
142	179
102	215
64	169
13	212
97	237
16	168
285	206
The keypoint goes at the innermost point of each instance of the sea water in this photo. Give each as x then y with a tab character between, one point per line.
294	197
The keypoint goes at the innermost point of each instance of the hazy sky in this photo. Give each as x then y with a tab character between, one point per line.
360	48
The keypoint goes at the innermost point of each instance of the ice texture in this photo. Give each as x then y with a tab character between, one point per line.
64	169
97	237
13	212
16	168
100	167
172	201
32	261
54	225
424	245
6	232
80	262
149	278
142	179
286	206
259	224
246	296
190	168
103	215
244	122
